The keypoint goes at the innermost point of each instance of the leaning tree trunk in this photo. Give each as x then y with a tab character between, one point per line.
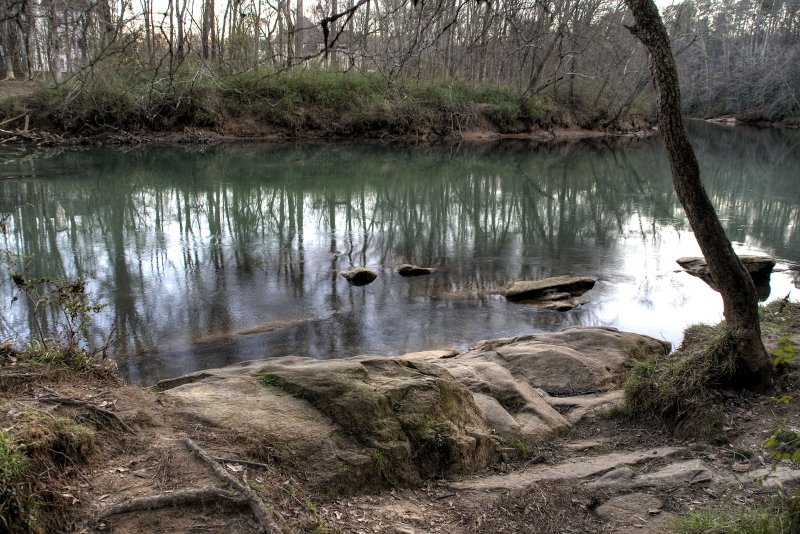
753	364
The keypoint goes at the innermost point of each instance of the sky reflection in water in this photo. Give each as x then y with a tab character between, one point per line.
211	255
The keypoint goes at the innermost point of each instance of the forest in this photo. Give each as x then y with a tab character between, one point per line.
167	61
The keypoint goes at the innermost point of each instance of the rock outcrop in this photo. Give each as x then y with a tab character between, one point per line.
575	361
355	423
368	421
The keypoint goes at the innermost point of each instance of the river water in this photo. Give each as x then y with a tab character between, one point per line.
210	255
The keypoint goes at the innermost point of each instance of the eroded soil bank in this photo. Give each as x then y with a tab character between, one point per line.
514	435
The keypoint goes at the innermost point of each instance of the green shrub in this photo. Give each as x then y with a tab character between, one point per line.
682	387
16	506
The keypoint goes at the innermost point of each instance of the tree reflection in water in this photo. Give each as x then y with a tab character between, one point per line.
212	255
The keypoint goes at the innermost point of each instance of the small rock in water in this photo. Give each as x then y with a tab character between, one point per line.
537	289
414	270
360	276
759	267
559	306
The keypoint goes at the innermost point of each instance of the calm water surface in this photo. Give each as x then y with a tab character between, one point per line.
207	256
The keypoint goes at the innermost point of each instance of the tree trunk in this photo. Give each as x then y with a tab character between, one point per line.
9	47
753	364
299	37
207	30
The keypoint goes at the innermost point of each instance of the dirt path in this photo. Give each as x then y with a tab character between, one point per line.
604	475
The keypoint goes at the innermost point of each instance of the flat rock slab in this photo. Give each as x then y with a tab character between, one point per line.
542	289
759	267
781	476
575	469
575	361
687	473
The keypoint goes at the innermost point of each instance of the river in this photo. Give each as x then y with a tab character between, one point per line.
210	255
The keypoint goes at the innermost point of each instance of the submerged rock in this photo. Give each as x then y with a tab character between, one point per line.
414	270
545	289
360	276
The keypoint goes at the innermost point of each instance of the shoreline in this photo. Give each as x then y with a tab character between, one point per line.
433	441
204	136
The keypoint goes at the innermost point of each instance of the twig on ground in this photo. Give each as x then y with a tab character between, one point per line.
262	513
9	121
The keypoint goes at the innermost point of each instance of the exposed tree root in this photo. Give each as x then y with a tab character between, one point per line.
176	498
242	462
243	494
263	515
77	402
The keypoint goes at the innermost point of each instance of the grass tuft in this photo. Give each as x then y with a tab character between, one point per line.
683	386
782	516
16	504
270	381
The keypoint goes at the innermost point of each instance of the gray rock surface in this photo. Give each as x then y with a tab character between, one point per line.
757	266
532	290
576	360
401	420
355	423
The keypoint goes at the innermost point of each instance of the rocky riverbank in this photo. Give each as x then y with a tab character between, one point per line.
512	435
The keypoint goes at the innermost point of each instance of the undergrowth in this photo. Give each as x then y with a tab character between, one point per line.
17	511
683	385
314	99
781	516
684	389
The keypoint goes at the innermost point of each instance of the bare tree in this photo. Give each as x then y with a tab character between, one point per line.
754	367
